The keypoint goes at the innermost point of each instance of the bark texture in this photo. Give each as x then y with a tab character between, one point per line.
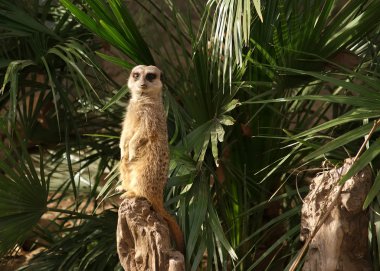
143	239
342	241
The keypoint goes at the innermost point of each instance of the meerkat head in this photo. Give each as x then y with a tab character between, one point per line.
145	81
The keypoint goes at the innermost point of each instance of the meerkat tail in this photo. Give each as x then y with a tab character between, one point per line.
173	226
178	235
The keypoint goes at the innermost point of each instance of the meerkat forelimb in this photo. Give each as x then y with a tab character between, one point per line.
144	144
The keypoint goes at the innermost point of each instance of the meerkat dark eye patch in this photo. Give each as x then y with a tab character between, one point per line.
135	75
150	76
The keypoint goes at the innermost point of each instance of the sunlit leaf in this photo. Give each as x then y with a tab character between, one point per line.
373	192
368	156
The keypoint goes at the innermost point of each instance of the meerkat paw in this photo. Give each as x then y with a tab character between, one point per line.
131	153
128	194
119	189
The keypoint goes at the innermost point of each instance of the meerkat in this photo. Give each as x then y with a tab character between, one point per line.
144	144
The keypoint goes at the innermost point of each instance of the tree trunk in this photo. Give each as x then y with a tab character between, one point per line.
143	239
342	241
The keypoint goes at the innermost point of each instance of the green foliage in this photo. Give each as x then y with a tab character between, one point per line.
96	251
112	22
46	94
256	95
23	192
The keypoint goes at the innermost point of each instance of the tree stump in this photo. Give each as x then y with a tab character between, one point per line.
342	241
143	239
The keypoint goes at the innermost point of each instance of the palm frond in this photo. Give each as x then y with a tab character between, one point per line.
113	22
84	248
23	191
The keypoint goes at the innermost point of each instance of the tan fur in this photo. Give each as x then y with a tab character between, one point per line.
144	144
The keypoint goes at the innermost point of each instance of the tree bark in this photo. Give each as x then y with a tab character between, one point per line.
143	239
342	241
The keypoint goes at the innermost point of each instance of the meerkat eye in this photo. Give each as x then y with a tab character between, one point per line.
150	76
136	75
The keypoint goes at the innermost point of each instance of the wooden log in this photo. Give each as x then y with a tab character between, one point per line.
143	239
342	241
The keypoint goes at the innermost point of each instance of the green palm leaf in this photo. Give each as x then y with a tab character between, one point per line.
113	23
24	195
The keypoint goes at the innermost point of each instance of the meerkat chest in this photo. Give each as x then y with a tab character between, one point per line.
147	117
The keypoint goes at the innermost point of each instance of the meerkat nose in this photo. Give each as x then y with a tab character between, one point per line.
143	85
